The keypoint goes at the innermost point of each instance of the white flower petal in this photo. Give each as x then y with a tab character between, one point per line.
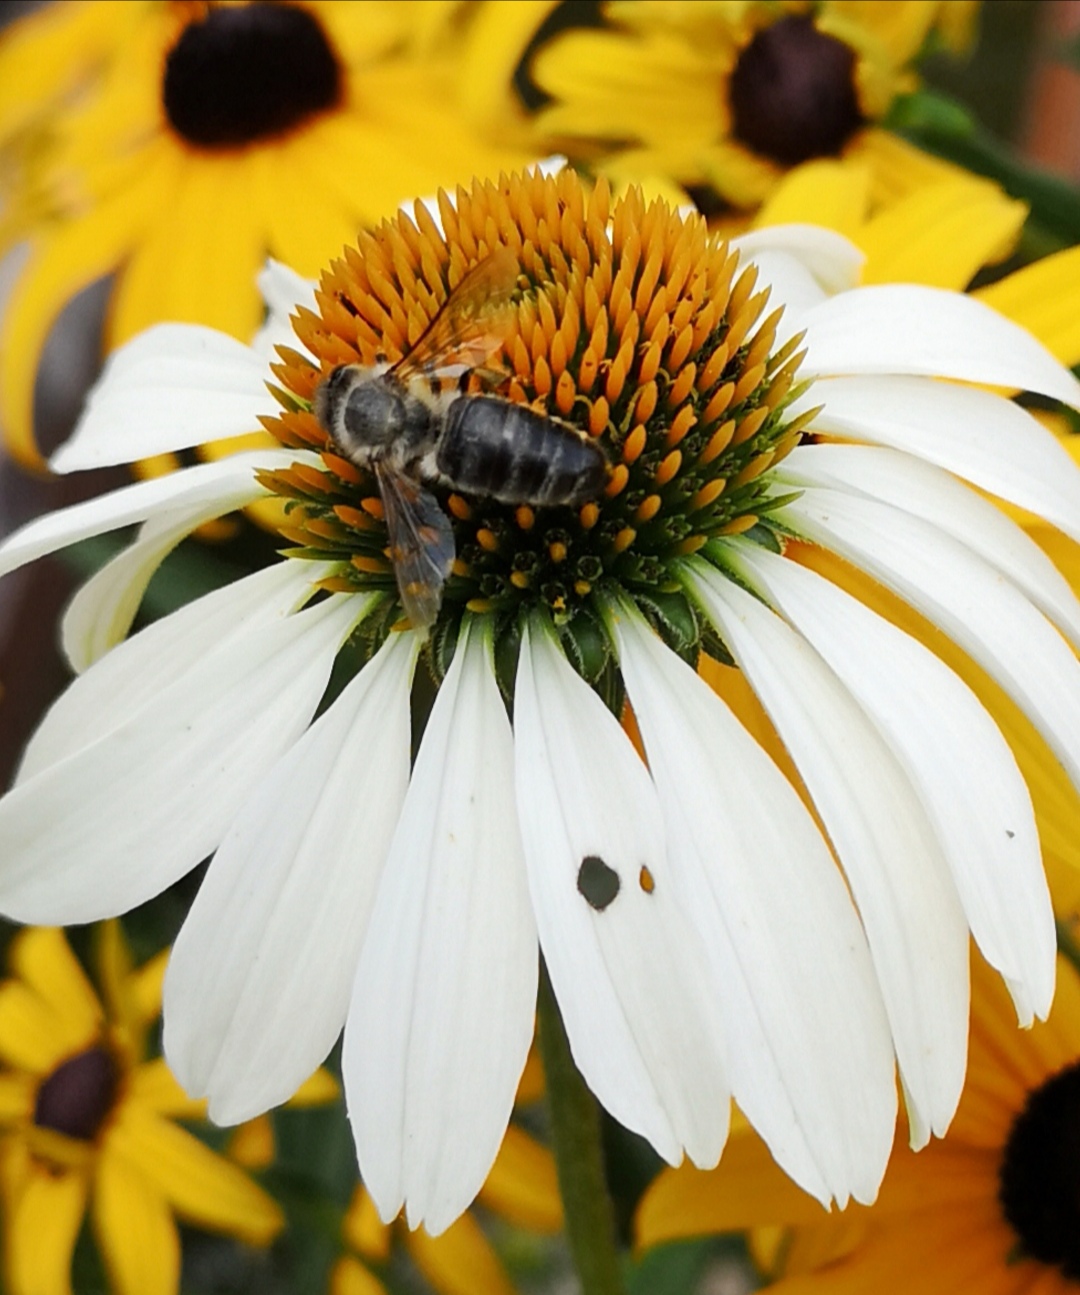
833	261
103	608
897	872
442	1011
907	328
808	1039
134	673
627	966
938	498
261	972
228	482
980	437
123	818
976	607
283	290
171	387
956	758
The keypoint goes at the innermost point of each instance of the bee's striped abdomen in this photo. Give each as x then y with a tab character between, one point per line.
490	446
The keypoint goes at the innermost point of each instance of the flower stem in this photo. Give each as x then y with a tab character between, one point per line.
575	1119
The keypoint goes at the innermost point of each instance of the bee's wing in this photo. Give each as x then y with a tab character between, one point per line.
421	545
472	325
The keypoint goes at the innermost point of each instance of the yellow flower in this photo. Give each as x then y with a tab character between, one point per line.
729	94
992	1209
176	145
87	1124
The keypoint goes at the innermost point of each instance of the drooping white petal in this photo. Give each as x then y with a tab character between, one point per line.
171	387
908	328
898	874
833	261
976	607
121	819
989	441
441	1016
103	608
808	1040
283	290
261	972
938	498
136	671
954	755
627	966
228	482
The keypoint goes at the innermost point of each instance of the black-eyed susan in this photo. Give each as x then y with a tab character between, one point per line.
87	1125
176	145
992	1209
728	95
697	932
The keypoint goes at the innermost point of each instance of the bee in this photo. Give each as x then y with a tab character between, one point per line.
413	425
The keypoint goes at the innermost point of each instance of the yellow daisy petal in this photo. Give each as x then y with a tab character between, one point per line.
498	35
748	1188
17	1095
154	1085
62	262
252	1143
941	234
146	983
350	1277
1042	297
41	957
321	1088
460	1261
32	1036
202	1186
135	1230
822	192
522	1185
71	37
41	1232
362	1228
898	168
531	1084
201	257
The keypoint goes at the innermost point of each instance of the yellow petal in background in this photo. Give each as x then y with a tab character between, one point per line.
460	1261
1043	298
135	1230
747	1188
522	1185
203	1187
252	1144
350	1277
153	1085
941	235
41	1231
362	1228
822	192
32	1036
41	957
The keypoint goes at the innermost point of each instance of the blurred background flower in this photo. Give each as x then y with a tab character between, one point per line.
990	1210
88	1124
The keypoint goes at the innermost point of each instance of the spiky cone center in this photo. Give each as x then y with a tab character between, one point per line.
631	323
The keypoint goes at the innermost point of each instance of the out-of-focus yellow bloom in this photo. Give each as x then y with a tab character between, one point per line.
87	1124
990	1210
730	94
178	144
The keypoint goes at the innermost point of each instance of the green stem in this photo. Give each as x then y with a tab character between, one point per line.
575	1119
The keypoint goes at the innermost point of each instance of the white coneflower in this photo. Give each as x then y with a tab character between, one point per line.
698	934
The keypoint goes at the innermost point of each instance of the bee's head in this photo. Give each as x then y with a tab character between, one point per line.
359	412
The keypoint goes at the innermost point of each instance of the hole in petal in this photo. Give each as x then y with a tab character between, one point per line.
597	882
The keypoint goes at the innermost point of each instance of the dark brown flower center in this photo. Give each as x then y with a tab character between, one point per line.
78	1095
793	94
1040	1174
248	72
